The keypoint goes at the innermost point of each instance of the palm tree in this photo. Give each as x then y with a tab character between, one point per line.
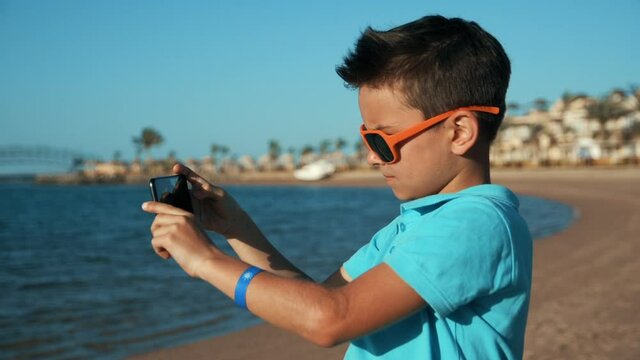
77	163
324	146
306	155
274	149
148	139
513	107
541	104
215	148
566	97
340	144
307	149
117	156
137	143
361	150
224	150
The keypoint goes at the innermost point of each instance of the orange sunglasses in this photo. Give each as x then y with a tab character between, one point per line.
387	146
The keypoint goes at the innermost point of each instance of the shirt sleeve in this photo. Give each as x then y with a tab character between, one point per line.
357	263
372	253
462	252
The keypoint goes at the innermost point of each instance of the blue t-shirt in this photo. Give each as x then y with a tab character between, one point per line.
468	255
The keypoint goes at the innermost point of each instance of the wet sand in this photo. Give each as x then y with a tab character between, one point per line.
586	280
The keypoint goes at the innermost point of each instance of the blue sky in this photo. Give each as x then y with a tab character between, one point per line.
89	75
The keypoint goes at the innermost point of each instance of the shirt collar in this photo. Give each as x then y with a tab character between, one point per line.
495	192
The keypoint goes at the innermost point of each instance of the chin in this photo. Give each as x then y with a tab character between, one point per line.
402	195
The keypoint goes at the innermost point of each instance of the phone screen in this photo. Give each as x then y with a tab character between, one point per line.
172	190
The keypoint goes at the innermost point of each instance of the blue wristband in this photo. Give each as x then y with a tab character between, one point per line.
240	297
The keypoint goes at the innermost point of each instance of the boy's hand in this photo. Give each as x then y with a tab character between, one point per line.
214	208
177	235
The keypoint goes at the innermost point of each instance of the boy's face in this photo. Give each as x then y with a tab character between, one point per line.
425	166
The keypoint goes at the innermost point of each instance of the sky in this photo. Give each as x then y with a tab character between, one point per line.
90	75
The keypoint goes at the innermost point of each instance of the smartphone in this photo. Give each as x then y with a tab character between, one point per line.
171	190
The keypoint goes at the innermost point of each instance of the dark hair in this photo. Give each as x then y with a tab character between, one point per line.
439	64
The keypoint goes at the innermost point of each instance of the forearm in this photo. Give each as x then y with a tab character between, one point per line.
250	244
300	306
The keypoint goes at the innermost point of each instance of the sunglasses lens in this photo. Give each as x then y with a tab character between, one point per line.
377	144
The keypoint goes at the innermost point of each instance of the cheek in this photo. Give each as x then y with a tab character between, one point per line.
423	168
412	183
419	154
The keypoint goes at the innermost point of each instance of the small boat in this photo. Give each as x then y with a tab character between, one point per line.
316	170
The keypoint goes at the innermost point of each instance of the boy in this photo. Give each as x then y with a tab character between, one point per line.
450	276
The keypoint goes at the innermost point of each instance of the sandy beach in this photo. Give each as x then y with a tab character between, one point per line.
586	286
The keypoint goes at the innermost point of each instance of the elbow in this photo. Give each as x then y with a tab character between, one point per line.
325	340
325	327
325	336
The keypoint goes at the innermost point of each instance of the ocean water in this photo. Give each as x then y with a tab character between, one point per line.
79	279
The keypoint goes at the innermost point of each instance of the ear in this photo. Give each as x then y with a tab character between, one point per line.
465	132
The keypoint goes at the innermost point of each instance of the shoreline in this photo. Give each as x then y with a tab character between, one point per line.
585	286
358	177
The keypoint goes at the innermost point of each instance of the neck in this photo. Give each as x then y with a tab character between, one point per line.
470	172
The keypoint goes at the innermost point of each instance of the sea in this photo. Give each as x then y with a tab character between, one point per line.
79	279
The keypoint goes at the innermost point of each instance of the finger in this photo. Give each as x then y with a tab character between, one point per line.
176	168
201	194
164	254
159	249
156	207
158	222
191	175
196	180
163	220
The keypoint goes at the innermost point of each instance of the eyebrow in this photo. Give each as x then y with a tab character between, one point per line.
381	128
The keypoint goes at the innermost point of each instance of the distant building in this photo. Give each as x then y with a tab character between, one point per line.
567	134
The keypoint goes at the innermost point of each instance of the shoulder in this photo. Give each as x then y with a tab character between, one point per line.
467	227
483	206
465	204
467	216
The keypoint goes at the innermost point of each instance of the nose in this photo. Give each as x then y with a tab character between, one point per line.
373	158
